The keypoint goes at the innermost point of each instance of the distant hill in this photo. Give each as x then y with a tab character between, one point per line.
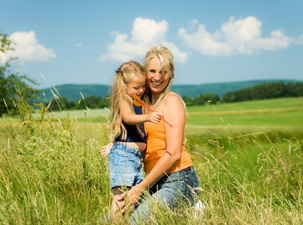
72	91
219	89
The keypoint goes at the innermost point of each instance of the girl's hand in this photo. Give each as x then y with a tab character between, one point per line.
154	117
106	149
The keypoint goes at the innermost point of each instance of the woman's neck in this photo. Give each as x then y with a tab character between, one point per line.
155	97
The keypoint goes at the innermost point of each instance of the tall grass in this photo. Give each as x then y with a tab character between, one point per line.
51	172
253	178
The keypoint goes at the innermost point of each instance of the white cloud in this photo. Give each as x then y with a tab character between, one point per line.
27	48
80	45
145	34
235	37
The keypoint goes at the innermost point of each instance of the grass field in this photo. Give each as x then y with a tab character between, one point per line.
248	157
277	112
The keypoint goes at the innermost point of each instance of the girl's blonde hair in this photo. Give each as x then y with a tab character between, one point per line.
124	74
167	62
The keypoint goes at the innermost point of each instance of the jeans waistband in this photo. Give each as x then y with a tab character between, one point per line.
190	168
127	148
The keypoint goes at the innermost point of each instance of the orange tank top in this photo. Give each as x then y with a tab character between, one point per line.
156	147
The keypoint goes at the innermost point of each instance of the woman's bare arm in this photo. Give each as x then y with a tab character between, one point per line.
174	110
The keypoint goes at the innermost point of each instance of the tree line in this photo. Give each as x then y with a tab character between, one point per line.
201	99
256	92
265	91
91	102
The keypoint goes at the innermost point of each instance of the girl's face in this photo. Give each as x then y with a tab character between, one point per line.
155	80
136	86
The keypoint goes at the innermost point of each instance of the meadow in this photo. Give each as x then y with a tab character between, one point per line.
248	157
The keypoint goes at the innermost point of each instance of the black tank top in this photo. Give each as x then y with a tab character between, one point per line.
133	135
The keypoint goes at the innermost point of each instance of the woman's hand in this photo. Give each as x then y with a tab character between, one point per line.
131	197
106	149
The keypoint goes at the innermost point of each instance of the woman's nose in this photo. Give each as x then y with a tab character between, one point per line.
158	76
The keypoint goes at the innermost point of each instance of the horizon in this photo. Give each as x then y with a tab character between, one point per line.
265	81
85	42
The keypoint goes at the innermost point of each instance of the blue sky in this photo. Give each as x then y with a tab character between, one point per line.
83	42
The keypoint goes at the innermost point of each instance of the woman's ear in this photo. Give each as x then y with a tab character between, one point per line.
172	72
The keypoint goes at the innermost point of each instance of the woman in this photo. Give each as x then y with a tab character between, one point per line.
170	177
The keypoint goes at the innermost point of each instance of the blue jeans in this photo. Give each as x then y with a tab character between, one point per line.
171	190
124	166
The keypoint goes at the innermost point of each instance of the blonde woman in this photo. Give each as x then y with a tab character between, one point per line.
127	132
170	178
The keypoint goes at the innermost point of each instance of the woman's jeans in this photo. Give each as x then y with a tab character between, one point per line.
171	190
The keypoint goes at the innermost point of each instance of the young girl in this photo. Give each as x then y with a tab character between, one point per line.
127	131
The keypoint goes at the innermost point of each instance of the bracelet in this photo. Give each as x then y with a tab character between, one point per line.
168	152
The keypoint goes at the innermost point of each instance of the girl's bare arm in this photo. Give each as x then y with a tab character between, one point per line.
133	119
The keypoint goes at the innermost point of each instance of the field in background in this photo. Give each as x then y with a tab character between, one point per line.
273	113
248	156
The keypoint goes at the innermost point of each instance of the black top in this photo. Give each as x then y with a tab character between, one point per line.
133	135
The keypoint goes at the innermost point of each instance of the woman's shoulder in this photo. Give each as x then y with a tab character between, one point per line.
172	96
173	99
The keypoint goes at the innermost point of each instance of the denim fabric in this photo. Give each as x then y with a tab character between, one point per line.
171	190
124	166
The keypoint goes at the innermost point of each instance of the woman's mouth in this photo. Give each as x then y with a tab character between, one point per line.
156	83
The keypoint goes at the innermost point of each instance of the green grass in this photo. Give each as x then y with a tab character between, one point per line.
275	112
295	103
247	119
250	166
73	114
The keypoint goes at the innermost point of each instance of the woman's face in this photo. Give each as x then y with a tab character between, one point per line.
155	80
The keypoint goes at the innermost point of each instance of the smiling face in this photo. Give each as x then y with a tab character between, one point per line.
156	80
136	86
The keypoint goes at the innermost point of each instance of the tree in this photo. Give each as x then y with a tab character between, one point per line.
294	89
188	100
11	84
210	97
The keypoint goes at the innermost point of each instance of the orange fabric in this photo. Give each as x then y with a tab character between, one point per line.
156	147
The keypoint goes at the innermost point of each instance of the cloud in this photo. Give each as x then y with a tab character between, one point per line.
80	45
235	37
27	48
145	34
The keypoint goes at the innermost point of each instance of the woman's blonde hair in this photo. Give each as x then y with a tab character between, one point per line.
124	74
167	62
